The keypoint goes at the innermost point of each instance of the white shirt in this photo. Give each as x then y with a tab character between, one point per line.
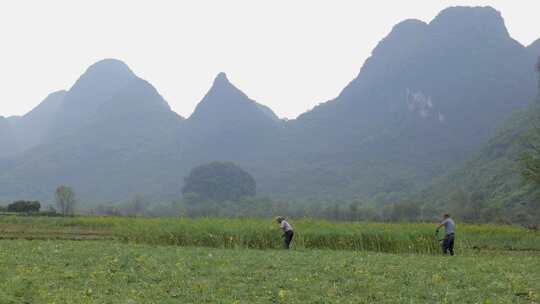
285	226
449	226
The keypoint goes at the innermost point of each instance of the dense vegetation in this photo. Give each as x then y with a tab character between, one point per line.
265	234
413	210
24	207
530	161
193	206
219	181
491	185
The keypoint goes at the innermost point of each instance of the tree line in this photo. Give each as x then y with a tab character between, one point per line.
65	204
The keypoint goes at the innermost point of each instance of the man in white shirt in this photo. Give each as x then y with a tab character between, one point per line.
288	232
450	230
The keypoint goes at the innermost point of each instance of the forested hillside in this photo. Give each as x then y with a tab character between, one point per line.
428	96
491	183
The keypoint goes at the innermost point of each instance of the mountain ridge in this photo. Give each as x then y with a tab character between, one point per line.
409	109
534	48
132	140
95	87
34	127
223	94
8	142
420	104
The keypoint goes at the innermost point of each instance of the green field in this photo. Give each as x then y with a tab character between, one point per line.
129	260
264	233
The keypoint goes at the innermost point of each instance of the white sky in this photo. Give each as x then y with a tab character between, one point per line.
289	55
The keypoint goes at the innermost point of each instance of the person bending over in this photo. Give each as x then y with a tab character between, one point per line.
450	230
288	232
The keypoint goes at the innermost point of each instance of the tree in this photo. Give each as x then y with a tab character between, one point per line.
65	200
219	181
405	211
24	206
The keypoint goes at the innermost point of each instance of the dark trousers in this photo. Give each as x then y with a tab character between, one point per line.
448	244
287	238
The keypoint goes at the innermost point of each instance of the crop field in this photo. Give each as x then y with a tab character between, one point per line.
264	233
132	260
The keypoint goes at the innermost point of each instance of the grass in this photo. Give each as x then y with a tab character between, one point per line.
116	272
264	234
136	260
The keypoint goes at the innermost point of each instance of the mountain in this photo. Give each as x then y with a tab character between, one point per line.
132	142
227	125
490	179
93	89
63	112
34	128
120	150
8	142
224	103
534	48
429	95
489	184
460	65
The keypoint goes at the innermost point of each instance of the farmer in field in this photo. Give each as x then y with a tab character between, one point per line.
288	232
450	230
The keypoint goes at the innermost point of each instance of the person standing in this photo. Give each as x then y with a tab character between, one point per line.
288	232
449	236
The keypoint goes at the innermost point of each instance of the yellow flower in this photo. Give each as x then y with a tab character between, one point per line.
437	278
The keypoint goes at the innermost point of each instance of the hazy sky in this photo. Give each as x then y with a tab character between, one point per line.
289	55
